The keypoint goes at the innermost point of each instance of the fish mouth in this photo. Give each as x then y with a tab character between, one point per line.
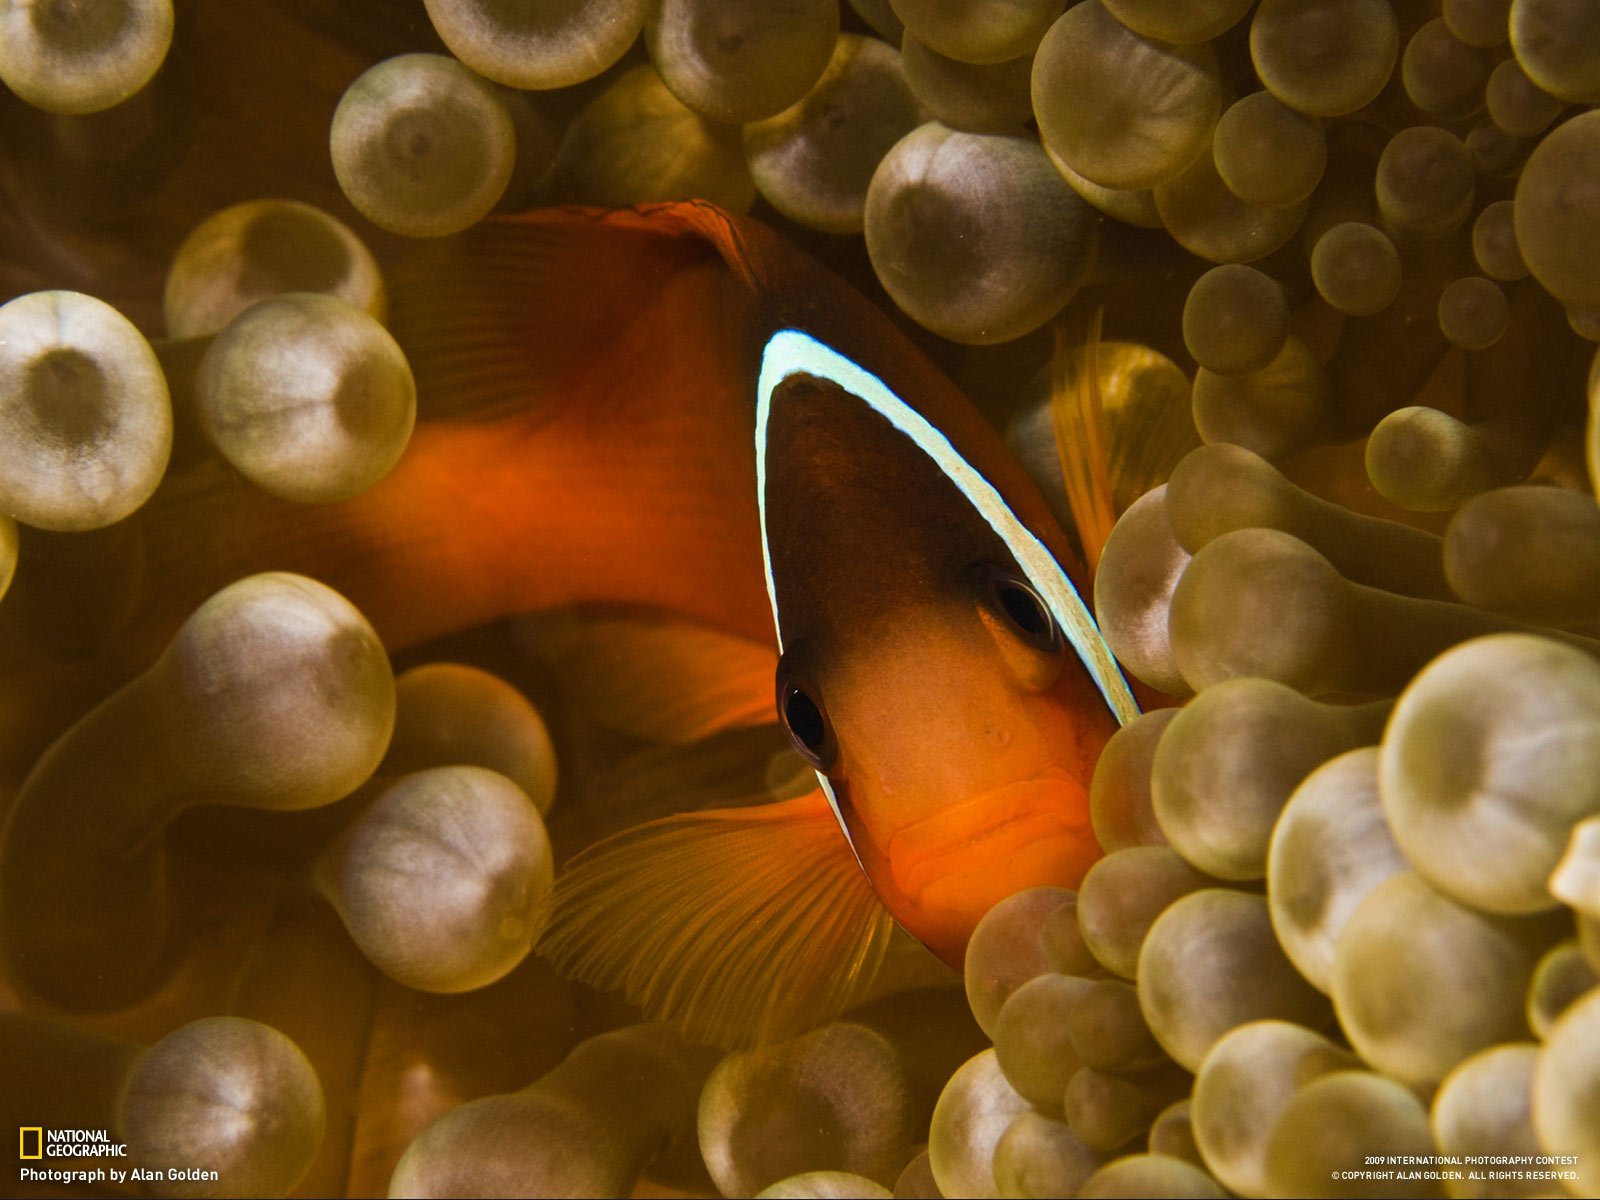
965	858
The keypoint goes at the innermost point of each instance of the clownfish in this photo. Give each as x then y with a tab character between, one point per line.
672	407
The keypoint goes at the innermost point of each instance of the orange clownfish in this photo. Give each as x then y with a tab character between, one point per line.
672	407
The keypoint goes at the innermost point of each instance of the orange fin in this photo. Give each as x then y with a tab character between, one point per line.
662	678
1121	416
525	305
1078	417
754	764
740	925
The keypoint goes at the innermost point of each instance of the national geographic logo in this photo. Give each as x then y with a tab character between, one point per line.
37	1142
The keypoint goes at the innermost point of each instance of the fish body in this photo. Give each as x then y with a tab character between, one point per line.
671	407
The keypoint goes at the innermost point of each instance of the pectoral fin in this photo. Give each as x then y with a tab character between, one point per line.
740	925
1077	414
662	678
1121	417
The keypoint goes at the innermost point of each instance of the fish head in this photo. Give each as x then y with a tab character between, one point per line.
956	737
938	669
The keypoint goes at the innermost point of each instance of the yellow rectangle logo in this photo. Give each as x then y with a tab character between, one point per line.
36	1141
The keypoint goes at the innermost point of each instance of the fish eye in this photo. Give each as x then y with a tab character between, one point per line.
805	720
1014	599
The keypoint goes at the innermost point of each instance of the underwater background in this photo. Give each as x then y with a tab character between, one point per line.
1289	308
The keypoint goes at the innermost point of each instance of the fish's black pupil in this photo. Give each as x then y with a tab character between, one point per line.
804	719
1024	609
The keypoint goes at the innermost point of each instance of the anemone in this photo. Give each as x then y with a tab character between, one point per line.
422	146
307	397
85	413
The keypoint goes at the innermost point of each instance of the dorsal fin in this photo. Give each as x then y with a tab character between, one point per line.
739	925
523	305
588	377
